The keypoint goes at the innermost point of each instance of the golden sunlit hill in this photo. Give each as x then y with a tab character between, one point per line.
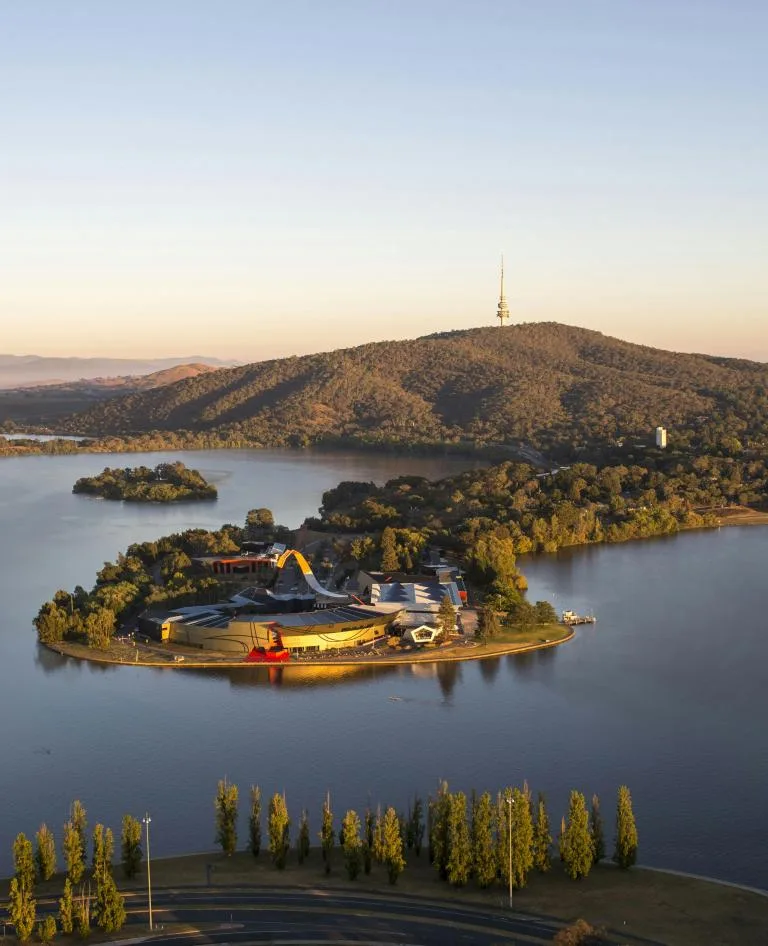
554	387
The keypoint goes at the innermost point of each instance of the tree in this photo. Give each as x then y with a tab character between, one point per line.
80	823
483	853
99	627
22	910
24	864
542	838
459	848
487	624
130	846
544	613
625	853
279	830
67	909
73	853
327	838
521	826
303	843
103	848
390	561
46	929
392	845
351	843
226	816
439	841
417	825
446	616
45	854
254	822
82	915
596	831
576	849
377	844
110	905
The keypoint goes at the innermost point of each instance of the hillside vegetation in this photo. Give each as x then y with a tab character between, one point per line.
554	387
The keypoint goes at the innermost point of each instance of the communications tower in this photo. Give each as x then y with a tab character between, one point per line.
502	310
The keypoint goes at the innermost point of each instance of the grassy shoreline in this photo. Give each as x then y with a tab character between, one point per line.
126	655
667	908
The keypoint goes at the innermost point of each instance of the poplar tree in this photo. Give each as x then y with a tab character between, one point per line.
596	831
279	830
483	852
226	816
377	848
459	849
446	616
576	847
417	825
326	833
254	822
521	827
130	846
46	929
22	910
67	909
439	841
390	561
110	905
80	824
392	844
351	844
303	843
24	864
625	853
45	853
73	853
542	839
370	822
103	848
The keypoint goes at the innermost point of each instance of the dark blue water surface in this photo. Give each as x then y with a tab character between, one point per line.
667	692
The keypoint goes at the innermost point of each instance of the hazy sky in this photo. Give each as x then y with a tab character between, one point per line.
275	176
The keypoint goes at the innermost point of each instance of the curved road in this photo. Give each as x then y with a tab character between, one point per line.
305	917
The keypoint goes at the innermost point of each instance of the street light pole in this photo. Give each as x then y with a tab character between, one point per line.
146	819
509	835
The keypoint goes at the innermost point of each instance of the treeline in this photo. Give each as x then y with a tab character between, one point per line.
483	839
165	483
533	512
561	389
90	896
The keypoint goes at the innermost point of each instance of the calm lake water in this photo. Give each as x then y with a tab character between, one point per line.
666	692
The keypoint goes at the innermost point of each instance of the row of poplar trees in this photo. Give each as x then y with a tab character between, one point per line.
466	839
90	893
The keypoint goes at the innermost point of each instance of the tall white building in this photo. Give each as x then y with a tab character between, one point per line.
661	437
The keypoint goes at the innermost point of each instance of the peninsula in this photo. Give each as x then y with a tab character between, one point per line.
166	483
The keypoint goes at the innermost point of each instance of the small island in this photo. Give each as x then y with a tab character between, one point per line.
166	483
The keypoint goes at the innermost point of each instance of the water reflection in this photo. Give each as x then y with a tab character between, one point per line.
448	675
489	668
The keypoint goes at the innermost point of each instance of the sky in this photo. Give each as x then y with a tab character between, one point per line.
254	178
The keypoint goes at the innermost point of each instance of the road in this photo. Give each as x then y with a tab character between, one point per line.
304	917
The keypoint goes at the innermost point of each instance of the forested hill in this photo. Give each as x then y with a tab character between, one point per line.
549	385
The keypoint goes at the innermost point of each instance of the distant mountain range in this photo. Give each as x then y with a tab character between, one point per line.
44	404
546	385
23	370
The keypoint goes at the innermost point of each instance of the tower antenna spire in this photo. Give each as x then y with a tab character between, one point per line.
502	310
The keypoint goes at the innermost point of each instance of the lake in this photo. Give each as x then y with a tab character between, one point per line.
665	693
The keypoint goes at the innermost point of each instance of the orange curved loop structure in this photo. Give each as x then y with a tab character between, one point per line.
309	575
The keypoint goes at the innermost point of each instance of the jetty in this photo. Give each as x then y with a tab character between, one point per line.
571	617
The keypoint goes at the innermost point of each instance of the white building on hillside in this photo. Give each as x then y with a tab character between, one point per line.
661	437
